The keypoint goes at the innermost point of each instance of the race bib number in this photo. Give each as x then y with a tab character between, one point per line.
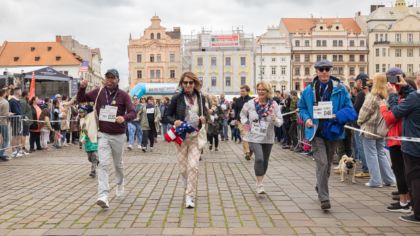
259	128
108	114
150	110
324	110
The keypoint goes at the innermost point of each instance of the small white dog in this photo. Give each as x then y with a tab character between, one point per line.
347	165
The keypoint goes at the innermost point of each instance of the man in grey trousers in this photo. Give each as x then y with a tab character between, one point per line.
114	108
318	105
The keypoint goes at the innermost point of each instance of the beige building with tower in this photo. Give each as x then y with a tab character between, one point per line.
394	38
155	57
339	40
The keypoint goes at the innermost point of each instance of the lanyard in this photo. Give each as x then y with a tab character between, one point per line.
107	97
323	95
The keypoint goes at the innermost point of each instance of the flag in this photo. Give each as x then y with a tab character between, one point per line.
32	88
84	66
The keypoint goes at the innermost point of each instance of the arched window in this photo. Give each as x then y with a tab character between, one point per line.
158	36
152	36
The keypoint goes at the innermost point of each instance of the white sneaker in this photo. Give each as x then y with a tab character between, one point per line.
189	202
120	190
14	154
103	202
260	189
18	154
130	147
23	152
139	146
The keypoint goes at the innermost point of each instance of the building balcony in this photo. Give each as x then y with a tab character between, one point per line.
381	42
405	44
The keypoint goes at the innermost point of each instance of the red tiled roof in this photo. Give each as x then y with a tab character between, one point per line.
36	54
301	25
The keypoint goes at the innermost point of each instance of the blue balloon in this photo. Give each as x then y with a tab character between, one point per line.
139	90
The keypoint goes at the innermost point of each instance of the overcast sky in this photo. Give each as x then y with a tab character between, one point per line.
107	23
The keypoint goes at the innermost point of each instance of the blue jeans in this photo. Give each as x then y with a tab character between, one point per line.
225	129
165	128
359	153
4	131
134	130
379	167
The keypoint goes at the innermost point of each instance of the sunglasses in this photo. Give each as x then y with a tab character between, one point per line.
188	82
322	69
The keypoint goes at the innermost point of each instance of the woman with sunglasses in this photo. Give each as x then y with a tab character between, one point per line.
188	106
259	116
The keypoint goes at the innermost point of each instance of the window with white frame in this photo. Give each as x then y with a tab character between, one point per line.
172	74
283	70
307	44
397	38
410	52
377	68
199	61
172	57
384	68
158	58
243	61
138	58
297	43
152	74
243	80
213	81
227	81
410	37
227	61
398	52
139	74
157	74
273	70
213	61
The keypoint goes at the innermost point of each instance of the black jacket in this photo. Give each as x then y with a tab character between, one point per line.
177	108
239	104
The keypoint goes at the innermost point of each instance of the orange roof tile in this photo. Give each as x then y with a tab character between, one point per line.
36	54
301	25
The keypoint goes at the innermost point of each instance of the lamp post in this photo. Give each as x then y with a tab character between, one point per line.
261	57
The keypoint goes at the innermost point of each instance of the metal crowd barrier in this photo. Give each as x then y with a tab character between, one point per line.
10	126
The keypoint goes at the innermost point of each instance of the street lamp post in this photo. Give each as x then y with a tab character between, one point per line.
261	55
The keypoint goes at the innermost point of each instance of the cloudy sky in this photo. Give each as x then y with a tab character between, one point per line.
107	23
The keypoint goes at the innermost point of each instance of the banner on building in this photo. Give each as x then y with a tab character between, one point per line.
220	41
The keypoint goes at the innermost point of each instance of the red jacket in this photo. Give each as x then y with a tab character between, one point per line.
394	124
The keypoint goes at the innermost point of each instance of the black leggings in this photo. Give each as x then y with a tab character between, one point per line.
148	135
397	161
34	138
215	137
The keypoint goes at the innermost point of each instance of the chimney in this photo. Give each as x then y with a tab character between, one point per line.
58	39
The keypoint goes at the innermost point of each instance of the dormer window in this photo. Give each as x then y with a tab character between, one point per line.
57	58
321	27
152	36
337	27
158	35
49	48
32	49
15	58
37	58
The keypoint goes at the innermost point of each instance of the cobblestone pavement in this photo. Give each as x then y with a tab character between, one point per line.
50	193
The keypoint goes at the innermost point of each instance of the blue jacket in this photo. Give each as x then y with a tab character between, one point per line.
340	99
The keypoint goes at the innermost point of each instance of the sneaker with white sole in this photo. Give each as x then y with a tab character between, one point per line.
260	189
399	208
373	186
130	147
139	146
103	202
120	190
189	202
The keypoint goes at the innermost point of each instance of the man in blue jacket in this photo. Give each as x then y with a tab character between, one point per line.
318	105
409	111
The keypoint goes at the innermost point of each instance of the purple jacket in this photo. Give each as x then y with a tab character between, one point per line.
122	101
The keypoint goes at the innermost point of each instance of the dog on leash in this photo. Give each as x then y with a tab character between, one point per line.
347	166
